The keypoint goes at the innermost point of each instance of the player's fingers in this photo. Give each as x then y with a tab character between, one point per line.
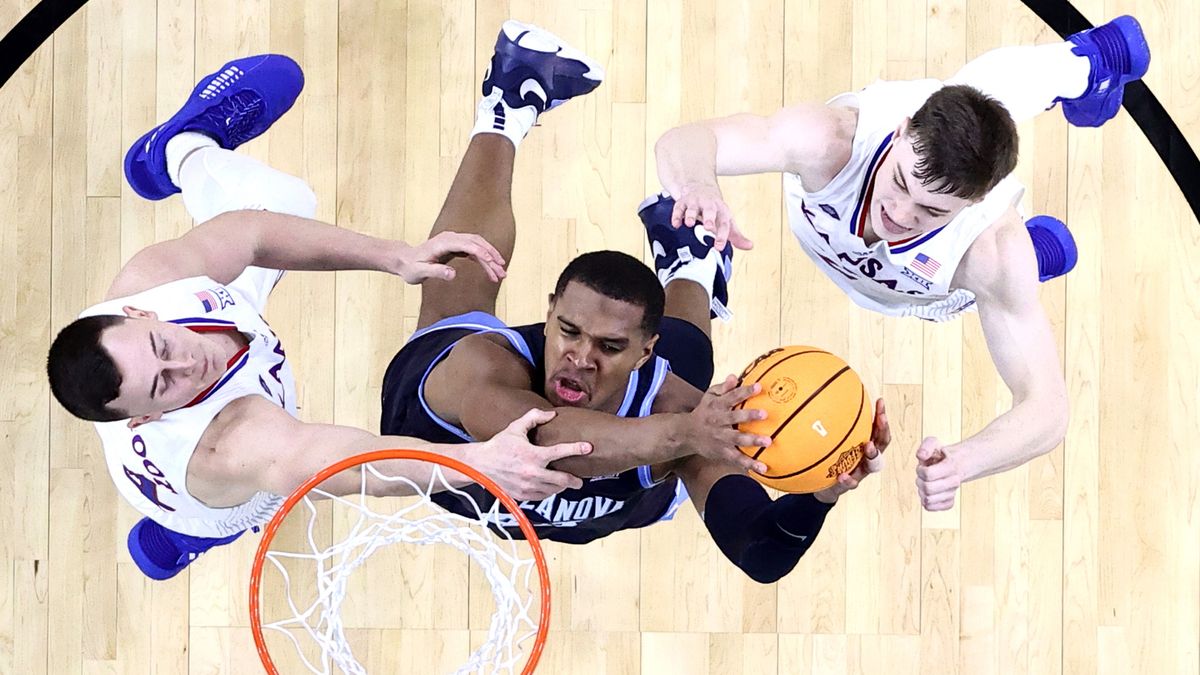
931	472
736	395
553	453
689	215
724	218
745	440
872	459
744	462
486	250
944	486
677	214
928	450
533	417
746	415
557	481
938	503
739	240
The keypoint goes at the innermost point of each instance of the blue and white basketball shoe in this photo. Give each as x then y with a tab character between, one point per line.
675	248
1054	246
1119	54
161	553
233	105
532	71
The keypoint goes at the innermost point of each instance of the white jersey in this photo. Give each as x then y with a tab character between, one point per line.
149	464
904	278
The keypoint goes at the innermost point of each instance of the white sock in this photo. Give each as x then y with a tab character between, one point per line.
1027	80
493	116
700	270
182	145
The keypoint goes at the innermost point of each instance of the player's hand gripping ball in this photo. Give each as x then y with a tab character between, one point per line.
818	415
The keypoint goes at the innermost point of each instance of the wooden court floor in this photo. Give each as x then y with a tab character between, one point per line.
1085	561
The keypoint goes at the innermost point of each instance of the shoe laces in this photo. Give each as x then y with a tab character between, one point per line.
236	115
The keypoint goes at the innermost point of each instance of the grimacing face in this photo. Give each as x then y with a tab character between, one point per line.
163	366
901	207
593	343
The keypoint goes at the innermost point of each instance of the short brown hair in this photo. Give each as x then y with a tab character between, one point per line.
82	374
965	142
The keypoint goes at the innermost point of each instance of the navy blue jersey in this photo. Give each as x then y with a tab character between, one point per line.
605	504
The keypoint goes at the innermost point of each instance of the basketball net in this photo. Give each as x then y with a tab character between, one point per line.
315	624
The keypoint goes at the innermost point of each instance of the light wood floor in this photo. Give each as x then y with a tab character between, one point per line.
1085	561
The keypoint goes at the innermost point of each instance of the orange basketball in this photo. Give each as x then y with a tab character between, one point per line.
818	417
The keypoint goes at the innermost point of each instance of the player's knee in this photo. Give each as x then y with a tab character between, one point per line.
293	196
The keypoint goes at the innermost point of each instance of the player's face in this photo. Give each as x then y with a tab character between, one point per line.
901	207
593	343
163	366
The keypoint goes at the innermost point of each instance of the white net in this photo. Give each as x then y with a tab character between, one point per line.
316	627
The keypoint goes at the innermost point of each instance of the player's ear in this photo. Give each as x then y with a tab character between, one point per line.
647	351
138	421
135	313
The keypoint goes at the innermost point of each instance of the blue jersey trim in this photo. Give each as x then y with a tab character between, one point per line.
912	245
862	191
227	377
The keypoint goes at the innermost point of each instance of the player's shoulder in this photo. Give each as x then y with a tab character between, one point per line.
131	290
484	355
818	139
1000	264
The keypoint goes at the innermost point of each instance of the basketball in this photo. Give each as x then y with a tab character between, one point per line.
818	417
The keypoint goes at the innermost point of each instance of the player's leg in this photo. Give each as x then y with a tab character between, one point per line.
192	151
765	538
694	275
695	279
531	72
1087	74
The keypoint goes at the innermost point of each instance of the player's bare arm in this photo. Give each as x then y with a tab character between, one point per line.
255	446
1001	270
223	247
500	389
811	140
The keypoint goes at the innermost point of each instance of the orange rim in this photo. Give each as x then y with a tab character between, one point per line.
268	536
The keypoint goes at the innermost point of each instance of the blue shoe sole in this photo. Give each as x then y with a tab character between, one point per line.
1054	246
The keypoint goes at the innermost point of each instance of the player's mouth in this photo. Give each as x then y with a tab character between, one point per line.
890	226
570	391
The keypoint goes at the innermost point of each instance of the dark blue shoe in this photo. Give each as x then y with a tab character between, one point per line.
534	67
675	248
1054	246
161	554
233	105
1119	54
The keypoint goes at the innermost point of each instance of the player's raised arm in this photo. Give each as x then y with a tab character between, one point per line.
254	446
223	247
690	157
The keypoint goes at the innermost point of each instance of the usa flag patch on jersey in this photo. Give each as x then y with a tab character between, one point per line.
925	265
214	299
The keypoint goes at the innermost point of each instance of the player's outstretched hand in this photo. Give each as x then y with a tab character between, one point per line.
429	260
872	461
520	467
712	425
704	205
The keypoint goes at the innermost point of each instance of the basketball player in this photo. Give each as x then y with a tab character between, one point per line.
191	391
622	363
901	193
